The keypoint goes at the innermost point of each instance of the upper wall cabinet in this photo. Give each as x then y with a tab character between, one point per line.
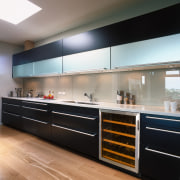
157	50
87	61
23	70
163	22
48	67
87	41
135	41
47	51
46	54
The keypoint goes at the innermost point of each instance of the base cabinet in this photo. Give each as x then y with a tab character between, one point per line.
70	126
35	117
11	113
159	166
12	120
77	140
36	127
160	149
76	127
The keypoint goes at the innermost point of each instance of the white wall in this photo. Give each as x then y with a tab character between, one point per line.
7	84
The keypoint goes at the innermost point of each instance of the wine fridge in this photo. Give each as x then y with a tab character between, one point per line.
119	139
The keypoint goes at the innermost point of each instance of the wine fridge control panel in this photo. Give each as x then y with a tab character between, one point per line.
119	139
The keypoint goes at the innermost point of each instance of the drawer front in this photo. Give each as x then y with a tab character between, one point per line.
160	166
36	127
11	101
80	141
37	105
78	122
165	122
12	108
12	120
83	111
162	140
35	113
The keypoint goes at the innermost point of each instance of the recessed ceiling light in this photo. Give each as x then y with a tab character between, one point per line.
16	11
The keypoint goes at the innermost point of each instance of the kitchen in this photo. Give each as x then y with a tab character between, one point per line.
150	84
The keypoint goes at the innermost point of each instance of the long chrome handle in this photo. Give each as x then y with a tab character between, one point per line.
68	129
165	119
35	103
66	114
12	114
35	120
160	152
11	104
14	105
163	130
34	108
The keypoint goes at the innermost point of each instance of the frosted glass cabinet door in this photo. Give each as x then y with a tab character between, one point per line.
157	50
23	70
87	61
48	67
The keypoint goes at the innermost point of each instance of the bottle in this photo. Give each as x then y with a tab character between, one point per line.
118	97
131	100
128	96
121	97
126	99
52	95
49	95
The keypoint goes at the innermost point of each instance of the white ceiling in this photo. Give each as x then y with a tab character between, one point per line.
63	15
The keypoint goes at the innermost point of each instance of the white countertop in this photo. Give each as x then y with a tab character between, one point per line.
159	110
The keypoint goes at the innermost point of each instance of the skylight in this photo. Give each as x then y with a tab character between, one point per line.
16	11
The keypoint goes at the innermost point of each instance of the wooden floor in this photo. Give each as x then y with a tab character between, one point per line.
23	156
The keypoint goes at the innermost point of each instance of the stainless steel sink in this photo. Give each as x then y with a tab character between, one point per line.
80	102
69	101
89	103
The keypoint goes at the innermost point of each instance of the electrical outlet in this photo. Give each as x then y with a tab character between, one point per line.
61	93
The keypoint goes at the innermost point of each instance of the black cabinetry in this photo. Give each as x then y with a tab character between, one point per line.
91	40
76	127
152	25
160	149
47	51
71	126
159	23
35	118
11	113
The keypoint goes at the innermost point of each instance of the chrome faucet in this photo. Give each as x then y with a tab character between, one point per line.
90	96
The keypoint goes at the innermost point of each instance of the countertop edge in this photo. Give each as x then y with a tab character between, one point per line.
156	110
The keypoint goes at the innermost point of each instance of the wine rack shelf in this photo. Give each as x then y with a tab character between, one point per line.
119	139
121	123
121	162
119	133
118	143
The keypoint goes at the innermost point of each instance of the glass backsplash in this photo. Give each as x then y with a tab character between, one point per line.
150	87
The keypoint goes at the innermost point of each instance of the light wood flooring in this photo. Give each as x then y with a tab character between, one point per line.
26	157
